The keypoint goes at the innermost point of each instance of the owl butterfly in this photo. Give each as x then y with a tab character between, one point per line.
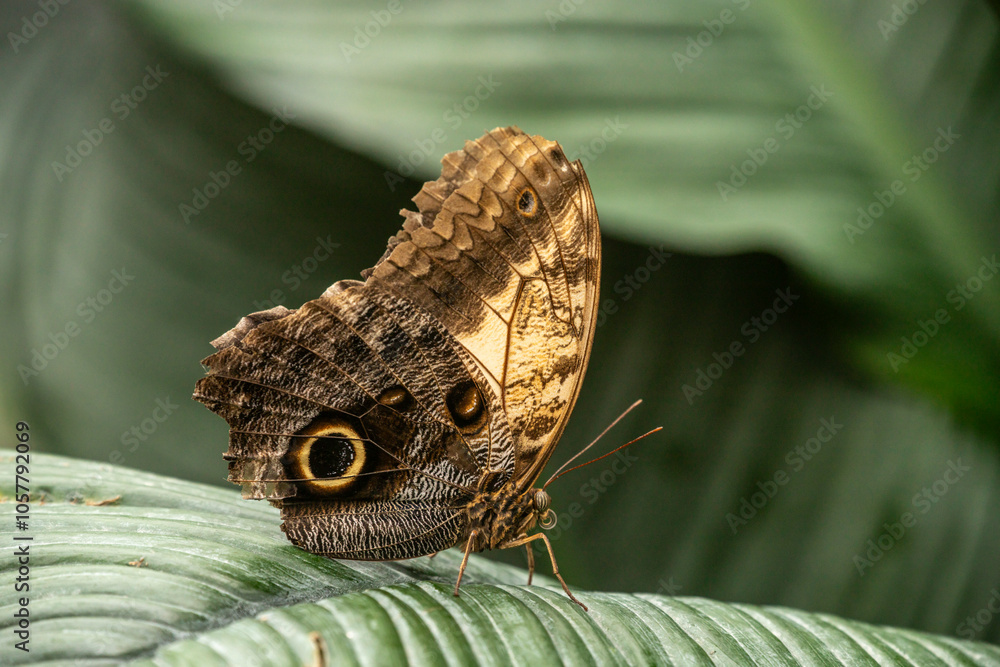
414	411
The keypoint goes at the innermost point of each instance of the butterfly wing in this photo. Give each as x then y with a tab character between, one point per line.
374	414
346	414
505	251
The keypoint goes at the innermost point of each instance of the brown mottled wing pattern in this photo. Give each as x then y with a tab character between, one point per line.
513	276
333	362
372	415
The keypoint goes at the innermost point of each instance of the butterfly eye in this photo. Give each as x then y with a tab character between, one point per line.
466	407
329	458
541	500
527	202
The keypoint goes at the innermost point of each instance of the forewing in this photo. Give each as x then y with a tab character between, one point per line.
505	253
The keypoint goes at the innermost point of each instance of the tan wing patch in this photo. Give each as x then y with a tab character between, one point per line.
544	363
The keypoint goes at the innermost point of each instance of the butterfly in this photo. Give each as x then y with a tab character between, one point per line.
413	411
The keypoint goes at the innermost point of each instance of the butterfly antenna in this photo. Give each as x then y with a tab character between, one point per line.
555	477
560	471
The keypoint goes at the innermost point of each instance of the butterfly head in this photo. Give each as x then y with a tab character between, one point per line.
541	502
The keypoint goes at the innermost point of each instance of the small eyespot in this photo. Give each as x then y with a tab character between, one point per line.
396	397
466	406
558	157
527	202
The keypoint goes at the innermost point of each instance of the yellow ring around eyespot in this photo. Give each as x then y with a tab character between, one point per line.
534	202
349	475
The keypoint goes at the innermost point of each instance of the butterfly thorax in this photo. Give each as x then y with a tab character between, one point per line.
500	515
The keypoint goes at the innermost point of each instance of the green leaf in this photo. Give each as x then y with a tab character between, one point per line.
128	565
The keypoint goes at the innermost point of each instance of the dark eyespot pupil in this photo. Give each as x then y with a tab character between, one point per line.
465	404
526	202
330	458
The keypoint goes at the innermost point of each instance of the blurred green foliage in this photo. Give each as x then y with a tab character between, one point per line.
102	364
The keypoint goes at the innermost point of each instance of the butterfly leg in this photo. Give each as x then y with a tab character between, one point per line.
531	562
555	568
465	559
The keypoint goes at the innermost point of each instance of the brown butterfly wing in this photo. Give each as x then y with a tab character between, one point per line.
368	375
505	252
373	414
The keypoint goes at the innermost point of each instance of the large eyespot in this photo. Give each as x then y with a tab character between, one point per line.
466	406
328	456
527	202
